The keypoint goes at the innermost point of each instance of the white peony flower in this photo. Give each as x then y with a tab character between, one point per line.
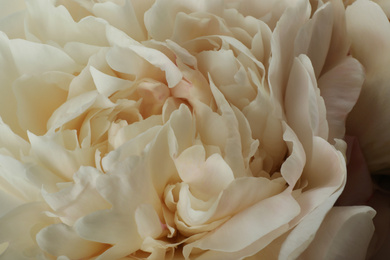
175	129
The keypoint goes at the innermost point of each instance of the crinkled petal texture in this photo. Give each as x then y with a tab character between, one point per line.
175	129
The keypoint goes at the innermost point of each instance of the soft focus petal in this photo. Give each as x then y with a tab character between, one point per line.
369	30
344	234
66	242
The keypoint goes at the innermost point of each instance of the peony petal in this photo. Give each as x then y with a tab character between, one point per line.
339	45
107	84
292	167
221	65
63	160
12	25
344	234
158	59
78	200
314	38
266	127
34	58
172	139
368	19
8	202
37	99
148	221
206	177
233	147
160	18
126	187
244	192
14	180
46	22
193	212
20	231
12	142
10	7
273	212
303	234
282	49
340	88
8	73
124	17
134	146
71	109
60	239
369	30
303	107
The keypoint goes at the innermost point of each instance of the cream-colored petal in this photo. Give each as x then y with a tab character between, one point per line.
344	234
293	166
366	18
303	234
20	231
14	180
71	109
369	30
124	60
249	225
207	177
233	147
158	59
282	48
203	25
340	87
131	147
8	74
148	222
313	39
8	202
60	153
37	99
123	17
173	138
221	65
29	58
245	192
126	187
12	142
35	58
79	199
252	249
119	134
339	46
83	82
107	84
303	113
48	23
81	52
60	239
193	211
10	7
160	18
267	127
12	25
